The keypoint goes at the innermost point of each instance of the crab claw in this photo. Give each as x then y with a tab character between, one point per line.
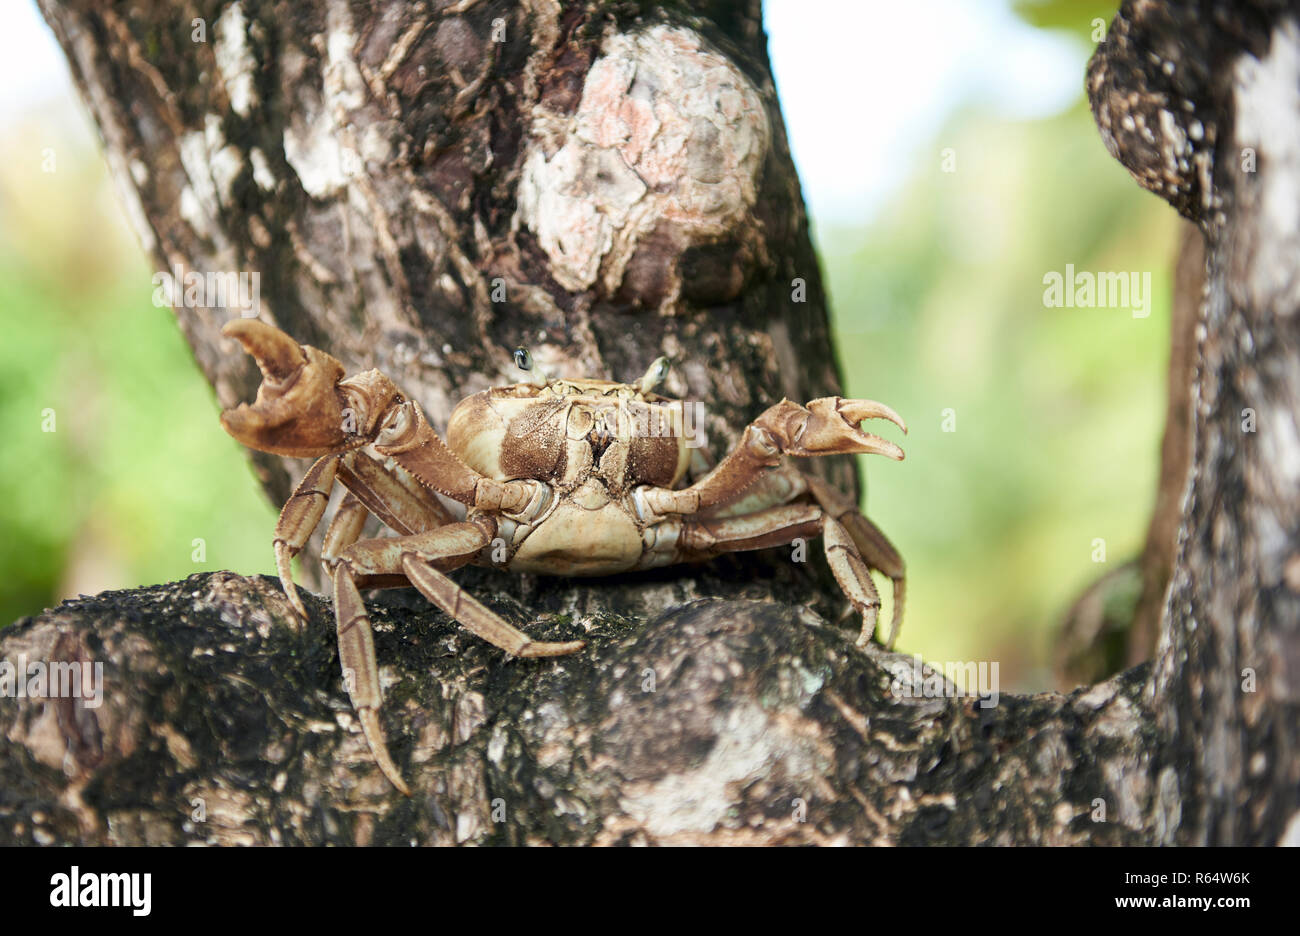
299	410
832	427
829	426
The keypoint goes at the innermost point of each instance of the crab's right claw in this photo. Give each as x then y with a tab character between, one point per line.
829	426
833	427
299	410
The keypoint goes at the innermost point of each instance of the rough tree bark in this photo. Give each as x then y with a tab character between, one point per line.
1201	102
424	187
622	170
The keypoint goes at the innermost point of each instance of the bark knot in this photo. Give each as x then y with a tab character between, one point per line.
668	133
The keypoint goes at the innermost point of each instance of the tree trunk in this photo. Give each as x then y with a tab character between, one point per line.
1200	102
423	188
620	172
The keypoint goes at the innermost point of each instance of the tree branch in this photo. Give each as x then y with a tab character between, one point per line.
729	718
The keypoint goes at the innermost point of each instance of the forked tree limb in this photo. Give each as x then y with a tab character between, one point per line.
744	716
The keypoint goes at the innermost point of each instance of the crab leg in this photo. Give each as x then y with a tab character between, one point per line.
421	559
827	426
852	574
396	499
774	486
361	671
704	538
853	544
871	543
345	529
298	519
423	453
400	501
776	526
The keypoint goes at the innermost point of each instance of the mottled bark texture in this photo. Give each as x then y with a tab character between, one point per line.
1201	102
729	720
405	162
425	186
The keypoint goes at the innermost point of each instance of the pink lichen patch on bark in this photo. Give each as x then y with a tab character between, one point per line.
666	131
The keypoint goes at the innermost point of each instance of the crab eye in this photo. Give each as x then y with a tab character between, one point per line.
524	361
655	375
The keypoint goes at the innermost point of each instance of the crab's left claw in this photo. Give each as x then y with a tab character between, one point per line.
299	410
833	427
829	426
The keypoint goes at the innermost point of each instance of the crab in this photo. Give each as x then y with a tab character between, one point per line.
569	477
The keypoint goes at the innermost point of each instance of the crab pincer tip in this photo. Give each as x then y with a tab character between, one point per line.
855	411
277	355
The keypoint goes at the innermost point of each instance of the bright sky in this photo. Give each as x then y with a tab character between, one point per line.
863	83
32	67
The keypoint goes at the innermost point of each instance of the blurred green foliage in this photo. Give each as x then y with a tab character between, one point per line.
136	468
1077	17
1057	412
937	305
